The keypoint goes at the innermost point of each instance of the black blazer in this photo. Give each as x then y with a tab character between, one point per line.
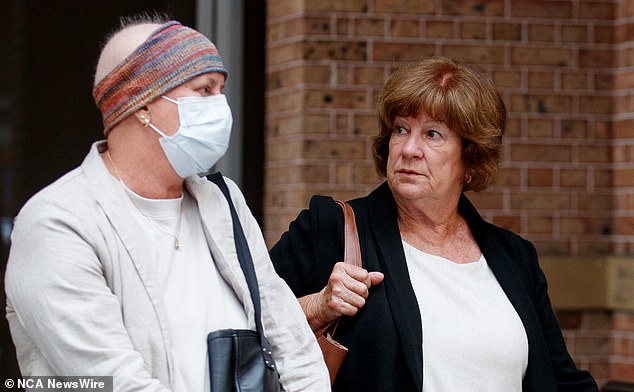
385	337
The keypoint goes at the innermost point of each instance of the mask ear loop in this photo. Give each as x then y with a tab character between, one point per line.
157	130
169	99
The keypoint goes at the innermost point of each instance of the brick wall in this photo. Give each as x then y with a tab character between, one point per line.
602	342
565	69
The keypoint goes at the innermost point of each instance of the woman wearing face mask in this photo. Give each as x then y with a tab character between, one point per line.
123	266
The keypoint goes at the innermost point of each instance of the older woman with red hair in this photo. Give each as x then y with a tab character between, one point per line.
445	301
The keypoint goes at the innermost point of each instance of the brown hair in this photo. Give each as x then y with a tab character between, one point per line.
451	93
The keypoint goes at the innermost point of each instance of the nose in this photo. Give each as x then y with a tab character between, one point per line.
413	147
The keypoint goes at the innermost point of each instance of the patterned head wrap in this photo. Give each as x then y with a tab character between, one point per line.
172	55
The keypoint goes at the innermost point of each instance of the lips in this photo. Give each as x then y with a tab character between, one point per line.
408	171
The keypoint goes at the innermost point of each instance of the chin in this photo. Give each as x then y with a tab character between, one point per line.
409	190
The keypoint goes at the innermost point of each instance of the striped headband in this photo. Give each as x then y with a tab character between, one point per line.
172	55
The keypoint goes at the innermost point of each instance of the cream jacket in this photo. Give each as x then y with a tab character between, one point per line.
81	301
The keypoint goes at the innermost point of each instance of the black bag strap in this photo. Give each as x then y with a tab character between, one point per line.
246	263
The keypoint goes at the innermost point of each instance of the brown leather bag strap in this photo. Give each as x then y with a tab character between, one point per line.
352	251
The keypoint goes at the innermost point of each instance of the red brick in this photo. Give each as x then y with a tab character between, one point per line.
512	79
405	28
293	125
603	81
574	33
541	33
540	224
365	125
543	9
334	50
473	30
335	5
369	27
596	10
540	177
287	29
597	201
439	29
604	34
595	104
540	201
332	149
369	75
585	226
596	153
624	321
574	81
524	55
397	52
404	6
278	8
508	177
622	371
540	153
330	98
475	54
507	31
473	7
542	104
509	222
599	58
603	178
541	80
486	200
574	129
574	178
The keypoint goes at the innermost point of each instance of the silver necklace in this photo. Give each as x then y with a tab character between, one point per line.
175	235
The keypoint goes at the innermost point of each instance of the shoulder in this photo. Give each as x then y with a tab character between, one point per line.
69	195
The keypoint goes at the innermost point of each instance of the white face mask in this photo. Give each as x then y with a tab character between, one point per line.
203	136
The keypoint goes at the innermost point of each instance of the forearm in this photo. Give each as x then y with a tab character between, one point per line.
310	306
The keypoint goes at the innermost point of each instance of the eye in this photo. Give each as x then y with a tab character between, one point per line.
400	130
433	135
206	90
434	138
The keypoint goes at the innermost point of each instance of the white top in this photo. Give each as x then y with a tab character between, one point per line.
473	339
197	298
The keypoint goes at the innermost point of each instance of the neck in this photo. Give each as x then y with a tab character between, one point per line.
143	174
438	223
439	229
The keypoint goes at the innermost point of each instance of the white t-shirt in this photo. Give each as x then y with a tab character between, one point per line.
473	339
198	300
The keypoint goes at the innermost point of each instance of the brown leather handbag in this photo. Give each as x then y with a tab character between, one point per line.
333	351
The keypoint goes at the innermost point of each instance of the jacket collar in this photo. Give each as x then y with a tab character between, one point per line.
215	217
399	291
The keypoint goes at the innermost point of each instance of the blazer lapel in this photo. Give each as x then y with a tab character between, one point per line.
115	204
216	220
401	297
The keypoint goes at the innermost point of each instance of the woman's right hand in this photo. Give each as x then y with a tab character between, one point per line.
347	289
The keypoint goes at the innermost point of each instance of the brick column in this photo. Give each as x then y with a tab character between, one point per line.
320	105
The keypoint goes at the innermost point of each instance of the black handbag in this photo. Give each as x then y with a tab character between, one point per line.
241	360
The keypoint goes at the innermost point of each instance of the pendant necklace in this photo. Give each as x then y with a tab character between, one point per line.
175	235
